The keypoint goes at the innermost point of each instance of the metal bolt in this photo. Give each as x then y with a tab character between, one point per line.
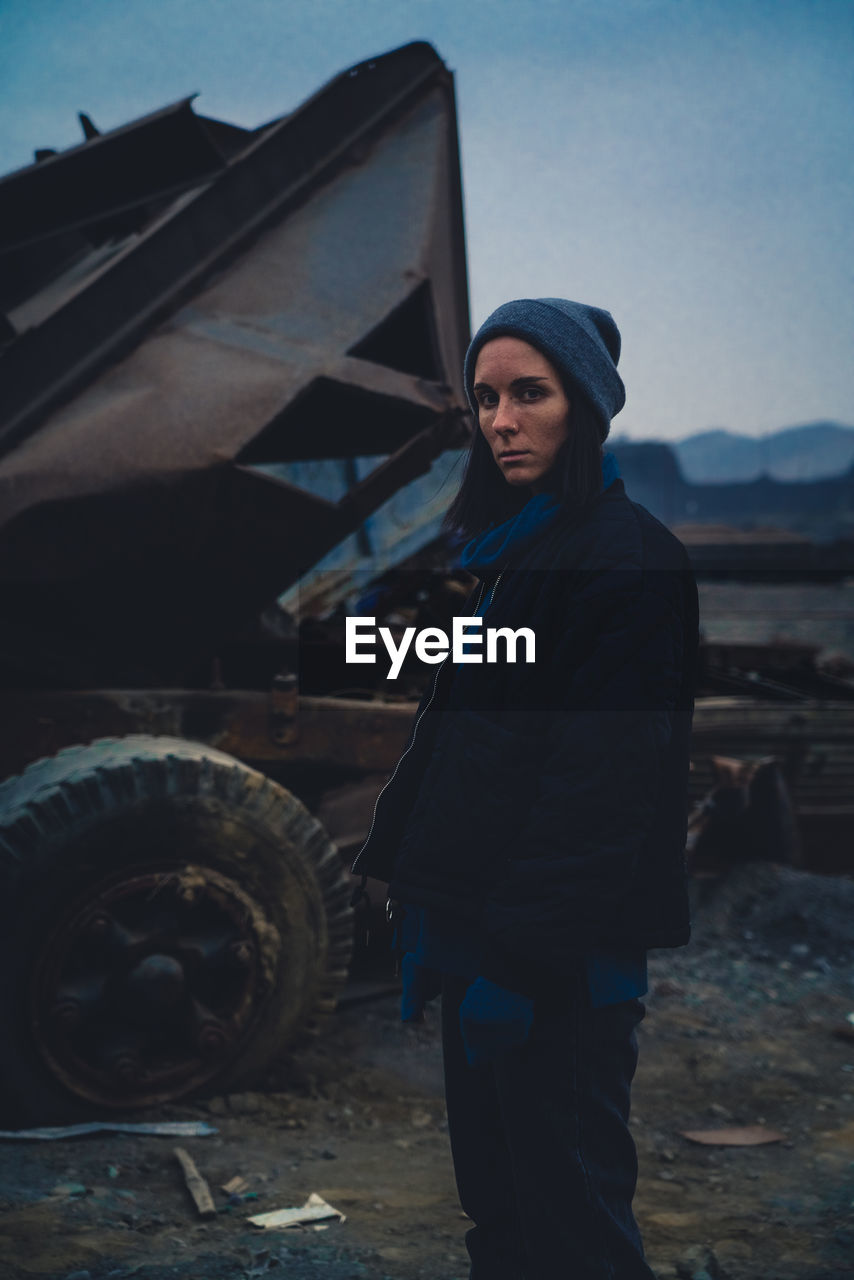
67	1014
212	1037
126	1068
241	953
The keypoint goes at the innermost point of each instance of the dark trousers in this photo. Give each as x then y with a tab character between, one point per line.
544	1160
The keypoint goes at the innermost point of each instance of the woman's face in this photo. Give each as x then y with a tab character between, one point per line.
523	410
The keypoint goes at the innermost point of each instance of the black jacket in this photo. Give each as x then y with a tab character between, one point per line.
548	802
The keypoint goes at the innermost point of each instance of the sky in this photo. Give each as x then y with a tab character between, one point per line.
686	164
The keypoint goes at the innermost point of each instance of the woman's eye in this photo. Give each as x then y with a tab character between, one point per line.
531	393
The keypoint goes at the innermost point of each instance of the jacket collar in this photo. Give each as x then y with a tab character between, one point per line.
492	551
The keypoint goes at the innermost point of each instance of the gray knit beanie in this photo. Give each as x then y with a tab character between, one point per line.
583	343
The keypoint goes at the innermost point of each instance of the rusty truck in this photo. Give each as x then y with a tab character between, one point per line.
229	377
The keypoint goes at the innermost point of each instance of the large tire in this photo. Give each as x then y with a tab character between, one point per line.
170	920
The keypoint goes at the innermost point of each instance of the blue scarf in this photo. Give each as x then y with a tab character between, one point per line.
492	550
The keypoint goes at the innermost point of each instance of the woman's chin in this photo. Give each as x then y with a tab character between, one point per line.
521	477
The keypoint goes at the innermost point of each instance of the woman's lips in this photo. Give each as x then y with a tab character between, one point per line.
512	457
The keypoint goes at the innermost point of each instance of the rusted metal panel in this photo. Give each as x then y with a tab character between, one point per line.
387	230
308	302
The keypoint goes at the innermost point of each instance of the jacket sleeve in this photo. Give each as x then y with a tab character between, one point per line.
607	775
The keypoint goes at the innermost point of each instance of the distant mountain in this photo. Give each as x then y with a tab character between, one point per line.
815	451
821	509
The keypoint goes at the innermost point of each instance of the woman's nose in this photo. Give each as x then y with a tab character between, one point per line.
503	421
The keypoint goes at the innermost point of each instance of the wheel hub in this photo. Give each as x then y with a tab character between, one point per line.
149	987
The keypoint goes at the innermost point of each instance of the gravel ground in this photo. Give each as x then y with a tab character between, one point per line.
746	1026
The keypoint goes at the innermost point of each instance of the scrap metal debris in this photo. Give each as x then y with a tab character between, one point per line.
268	355
314	1210
751	1135
772	780
163	1129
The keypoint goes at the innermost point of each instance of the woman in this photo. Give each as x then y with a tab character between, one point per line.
535	824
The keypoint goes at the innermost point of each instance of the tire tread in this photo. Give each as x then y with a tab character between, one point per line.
82	784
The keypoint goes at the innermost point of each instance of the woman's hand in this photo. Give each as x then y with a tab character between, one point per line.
493	1019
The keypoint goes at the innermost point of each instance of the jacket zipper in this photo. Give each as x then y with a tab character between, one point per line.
421	716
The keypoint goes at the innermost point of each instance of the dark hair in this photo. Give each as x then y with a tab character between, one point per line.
486	498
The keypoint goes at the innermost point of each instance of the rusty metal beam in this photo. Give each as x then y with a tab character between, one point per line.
347	733
368	734
161	154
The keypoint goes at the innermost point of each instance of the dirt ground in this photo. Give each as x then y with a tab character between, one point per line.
746	1026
